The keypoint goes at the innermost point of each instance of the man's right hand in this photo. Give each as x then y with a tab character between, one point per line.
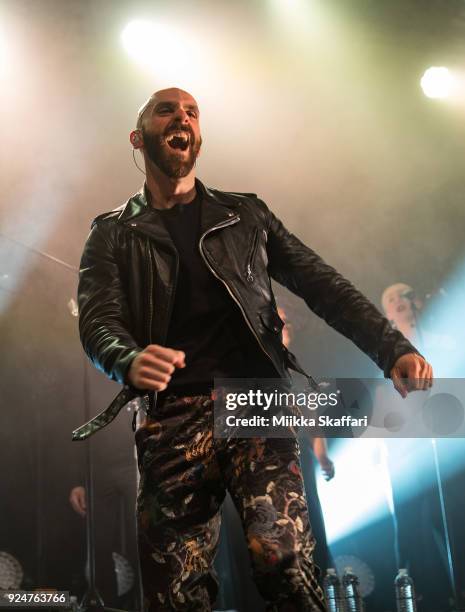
153	367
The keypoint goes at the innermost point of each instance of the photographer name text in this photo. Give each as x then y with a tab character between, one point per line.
295	421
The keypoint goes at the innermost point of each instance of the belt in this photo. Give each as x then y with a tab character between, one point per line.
157	401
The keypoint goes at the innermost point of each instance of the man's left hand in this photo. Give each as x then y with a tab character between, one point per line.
411	373
327	467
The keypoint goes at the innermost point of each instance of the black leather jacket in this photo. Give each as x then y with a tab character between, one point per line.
128	280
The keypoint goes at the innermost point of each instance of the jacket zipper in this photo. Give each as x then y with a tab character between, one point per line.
250	276
150	280
204	257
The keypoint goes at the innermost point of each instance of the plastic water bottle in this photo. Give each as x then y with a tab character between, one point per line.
73	603
333	592
405	592
352	597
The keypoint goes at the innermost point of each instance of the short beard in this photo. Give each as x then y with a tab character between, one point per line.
160	154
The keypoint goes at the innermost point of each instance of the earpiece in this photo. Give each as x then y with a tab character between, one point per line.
136	139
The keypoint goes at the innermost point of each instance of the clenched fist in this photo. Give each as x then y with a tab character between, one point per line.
411	373
153	367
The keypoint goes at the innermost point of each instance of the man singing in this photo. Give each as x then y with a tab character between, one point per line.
175	291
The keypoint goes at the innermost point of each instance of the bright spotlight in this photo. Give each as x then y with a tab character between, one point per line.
360	486
437	82
156	46
140	39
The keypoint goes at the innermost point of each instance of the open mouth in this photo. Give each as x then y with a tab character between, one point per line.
178	140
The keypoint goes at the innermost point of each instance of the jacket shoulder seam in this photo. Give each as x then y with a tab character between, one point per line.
232	195
262	209
109	215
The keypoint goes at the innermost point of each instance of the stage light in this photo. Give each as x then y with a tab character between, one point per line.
159	47
438	82
356	496
140	39
11	572
367	470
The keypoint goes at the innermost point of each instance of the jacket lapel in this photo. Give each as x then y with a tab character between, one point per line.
140	216
214	210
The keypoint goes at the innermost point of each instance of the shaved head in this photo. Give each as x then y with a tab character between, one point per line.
162	95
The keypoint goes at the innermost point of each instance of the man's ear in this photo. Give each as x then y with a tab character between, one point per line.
136	139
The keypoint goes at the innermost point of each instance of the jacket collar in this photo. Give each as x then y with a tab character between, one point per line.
216	208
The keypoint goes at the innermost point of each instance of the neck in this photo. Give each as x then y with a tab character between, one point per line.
164	191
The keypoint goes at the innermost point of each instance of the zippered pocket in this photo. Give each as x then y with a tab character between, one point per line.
251	258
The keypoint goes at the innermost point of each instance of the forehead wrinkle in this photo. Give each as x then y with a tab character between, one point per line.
173	103
154	100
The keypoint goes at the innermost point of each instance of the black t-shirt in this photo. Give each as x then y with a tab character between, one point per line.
206	323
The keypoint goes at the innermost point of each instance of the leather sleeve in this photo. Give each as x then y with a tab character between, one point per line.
103	307
332	297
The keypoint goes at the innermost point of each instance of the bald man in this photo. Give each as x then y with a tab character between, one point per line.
175	291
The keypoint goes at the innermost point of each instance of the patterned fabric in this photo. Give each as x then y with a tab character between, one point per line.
184	473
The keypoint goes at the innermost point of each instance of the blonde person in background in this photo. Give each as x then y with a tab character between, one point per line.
420	545
405	311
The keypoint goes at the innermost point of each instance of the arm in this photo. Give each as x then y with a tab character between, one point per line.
320	450
103	308
333	297
105	321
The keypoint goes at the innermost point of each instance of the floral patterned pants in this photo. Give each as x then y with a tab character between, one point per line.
184	472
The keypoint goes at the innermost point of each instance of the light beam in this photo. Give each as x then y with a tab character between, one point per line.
438	82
